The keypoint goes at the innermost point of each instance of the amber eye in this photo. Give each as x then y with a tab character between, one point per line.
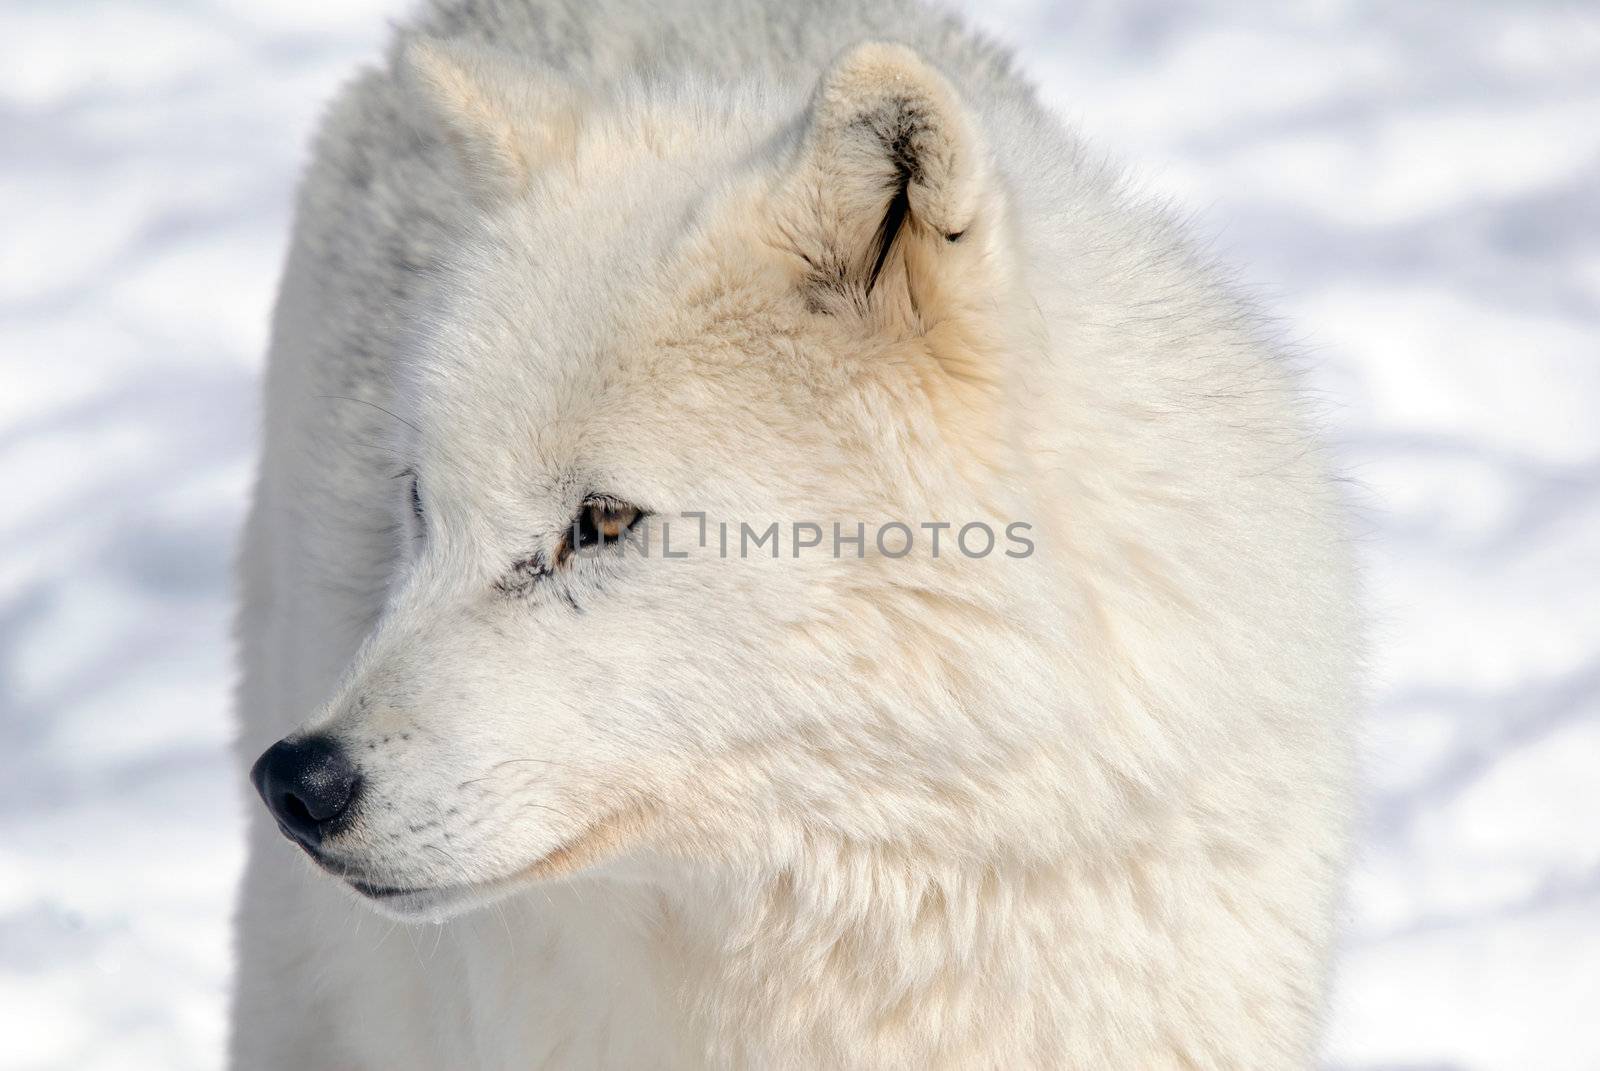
603	520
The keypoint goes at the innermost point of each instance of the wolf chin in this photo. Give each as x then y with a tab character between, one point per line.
562	268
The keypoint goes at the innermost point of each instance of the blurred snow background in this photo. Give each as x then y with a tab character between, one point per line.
1415	187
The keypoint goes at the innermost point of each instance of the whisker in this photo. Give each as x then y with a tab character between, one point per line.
508	762
553	810
374	405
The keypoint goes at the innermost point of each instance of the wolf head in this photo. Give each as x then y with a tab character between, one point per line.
712	491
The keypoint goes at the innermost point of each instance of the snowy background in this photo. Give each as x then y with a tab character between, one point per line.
1414	186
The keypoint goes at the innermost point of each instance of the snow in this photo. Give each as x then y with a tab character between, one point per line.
1414	188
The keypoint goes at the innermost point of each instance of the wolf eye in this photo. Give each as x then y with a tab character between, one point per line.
603	520
599	521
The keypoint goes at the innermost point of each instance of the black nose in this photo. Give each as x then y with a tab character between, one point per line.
308	785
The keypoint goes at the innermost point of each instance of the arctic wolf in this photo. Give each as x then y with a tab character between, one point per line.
576	290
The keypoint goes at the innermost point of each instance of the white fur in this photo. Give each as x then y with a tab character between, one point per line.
1083	809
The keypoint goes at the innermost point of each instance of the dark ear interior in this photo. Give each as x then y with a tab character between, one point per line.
887	158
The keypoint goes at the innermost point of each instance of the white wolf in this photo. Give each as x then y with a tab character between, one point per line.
566	271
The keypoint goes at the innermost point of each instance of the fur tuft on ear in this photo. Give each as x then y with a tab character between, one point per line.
888	149
503	119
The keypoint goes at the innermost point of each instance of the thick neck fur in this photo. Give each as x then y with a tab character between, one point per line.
860	957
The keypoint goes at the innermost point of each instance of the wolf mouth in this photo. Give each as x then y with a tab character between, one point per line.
594	843
372	890
383	892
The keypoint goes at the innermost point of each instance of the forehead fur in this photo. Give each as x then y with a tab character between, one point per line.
693	292
634	284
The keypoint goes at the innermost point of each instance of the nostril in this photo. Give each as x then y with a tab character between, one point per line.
294	809
308	785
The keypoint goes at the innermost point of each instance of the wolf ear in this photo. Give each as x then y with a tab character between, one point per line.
889	183
503	119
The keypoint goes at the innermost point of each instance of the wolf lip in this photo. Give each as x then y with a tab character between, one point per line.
371	889
381	892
